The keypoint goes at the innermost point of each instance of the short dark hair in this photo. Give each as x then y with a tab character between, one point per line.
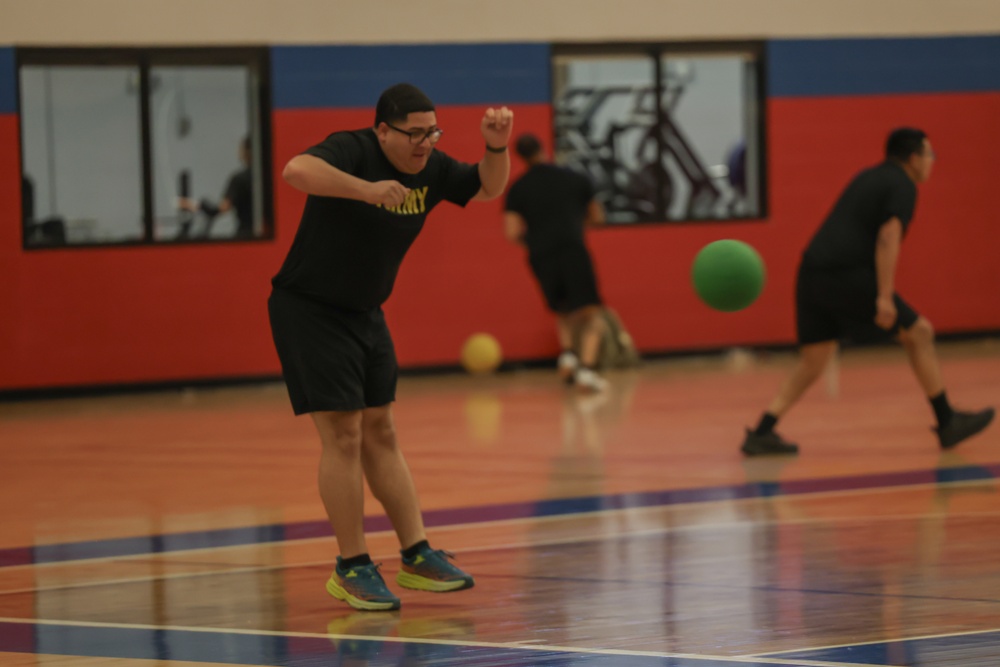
904	142
528	146
399	101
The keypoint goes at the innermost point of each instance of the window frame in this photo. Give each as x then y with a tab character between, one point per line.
255	58
658	52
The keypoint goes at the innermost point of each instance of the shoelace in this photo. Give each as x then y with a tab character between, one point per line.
369	571
444	552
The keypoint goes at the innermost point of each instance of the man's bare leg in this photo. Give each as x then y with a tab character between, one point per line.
389	476
813	358
341	478
954	426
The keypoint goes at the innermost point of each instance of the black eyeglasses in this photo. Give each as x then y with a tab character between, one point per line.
418	136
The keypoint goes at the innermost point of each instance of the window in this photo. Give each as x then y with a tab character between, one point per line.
666	133
126	146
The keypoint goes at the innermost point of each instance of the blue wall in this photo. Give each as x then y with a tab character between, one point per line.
317	77
841	67
8	81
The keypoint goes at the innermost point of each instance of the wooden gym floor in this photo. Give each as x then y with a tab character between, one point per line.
184	528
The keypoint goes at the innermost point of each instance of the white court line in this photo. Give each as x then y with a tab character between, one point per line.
442	642
878	641
221	569
516	521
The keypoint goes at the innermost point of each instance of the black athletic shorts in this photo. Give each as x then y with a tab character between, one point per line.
840	305
332	359
567	279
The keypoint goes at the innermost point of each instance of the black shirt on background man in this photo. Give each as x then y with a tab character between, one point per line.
848	236
553	201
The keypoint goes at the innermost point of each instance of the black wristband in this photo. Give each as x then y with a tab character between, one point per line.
502	149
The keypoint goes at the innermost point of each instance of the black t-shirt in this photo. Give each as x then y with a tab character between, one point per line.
553	201
240	195
849	234
347	253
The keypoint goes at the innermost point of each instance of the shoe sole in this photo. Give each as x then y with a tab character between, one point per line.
339	592
417	583
767	452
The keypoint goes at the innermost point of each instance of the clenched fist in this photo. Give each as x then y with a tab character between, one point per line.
497	126
386	193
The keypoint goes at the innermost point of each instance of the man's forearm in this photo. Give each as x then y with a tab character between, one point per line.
494	169
886	258
595	213
315	177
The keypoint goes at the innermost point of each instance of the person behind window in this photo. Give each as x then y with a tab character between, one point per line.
27	201
51	231
238	197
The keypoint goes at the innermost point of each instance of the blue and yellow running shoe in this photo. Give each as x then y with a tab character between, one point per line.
430	570
362	587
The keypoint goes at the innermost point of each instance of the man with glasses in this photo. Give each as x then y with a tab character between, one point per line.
369	193
846	289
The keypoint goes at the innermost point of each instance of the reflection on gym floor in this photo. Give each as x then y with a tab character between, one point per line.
614	529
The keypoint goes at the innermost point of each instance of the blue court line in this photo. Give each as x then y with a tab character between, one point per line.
296	651
227	537
971	649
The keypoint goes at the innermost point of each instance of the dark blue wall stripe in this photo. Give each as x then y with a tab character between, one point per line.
8	81
798	68
354	76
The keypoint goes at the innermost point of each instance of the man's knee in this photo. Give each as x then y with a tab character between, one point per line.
920	333
340	431
588	316
378	427
815	356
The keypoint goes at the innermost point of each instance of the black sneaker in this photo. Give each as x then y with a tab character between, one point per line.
963	425
769	444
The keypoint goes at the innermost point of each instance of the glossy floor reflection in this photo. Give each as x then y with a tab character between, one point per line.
617	530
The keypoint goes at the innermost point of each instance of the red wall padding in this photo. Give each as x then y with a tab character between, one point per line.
86	317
